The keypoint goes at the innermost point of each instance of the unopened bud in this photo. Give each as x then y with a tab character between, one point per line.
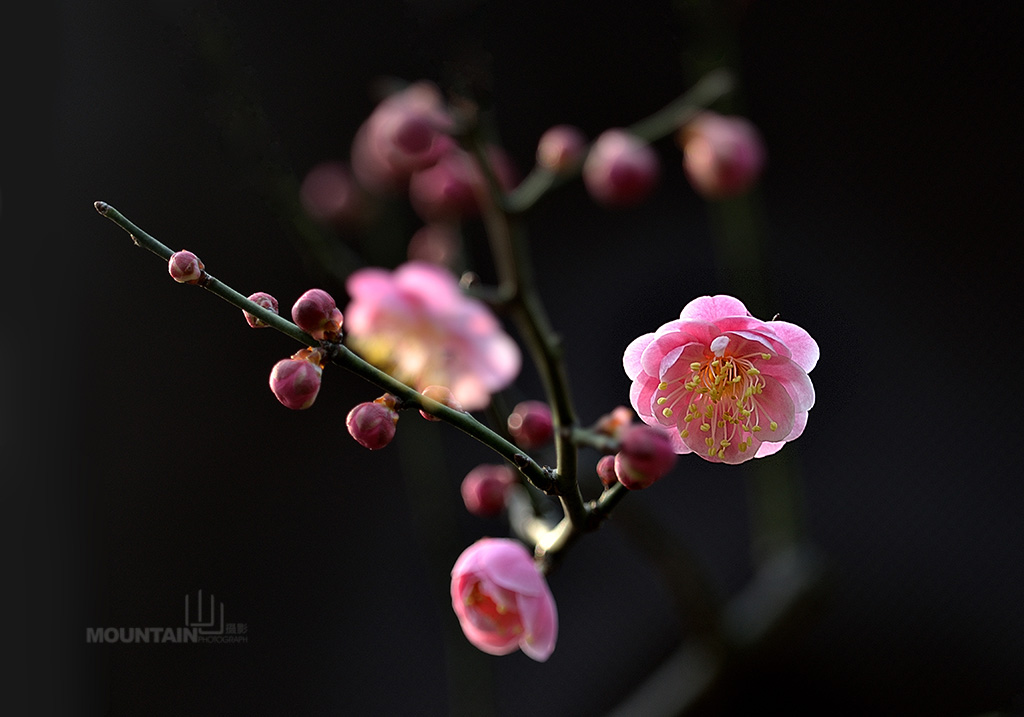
296	380
185	267
612	423
561	148
484	487
621	169
606	471
265	300
645	455
316	313
722	156
443	395
373	424
530	424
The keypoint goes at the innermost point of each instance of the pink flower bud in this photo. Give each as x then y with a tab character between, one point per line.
502	601
296	380
561	148
606	471
483	489
450	189
404	133
316	313
530	424
645	455
373	424
620	169
612	423
265	300
185	267
330	195
722	156
443	395
434	243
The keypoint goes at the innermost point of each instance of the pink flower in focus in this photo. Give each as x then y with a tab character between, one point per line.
416	324
728	386
502	601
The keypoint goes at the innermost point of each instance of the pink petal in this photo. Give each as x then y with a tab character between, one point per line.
793	377
631	358
774	404
641	397
803	348
710	308
767	449
540	624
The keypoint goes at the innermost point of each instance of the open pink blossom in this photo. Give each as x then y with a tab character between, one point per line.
728	386
417	325
502	601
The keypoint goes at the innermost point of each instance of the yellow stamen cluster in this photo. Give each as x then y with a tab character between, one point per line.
722	403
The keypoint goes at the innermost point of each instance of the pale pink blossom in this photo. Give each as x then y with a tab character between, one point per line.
502	601
728	386
416	324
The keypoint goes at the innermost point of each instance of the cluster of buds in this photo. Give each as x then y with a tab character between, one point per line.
296	380
644	455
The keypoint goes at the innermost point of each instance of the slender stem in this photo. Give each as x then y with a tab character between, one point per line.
343	356
515	280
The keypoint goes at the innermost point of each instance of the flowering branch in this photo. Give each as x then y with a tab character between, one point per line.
662	123
341	355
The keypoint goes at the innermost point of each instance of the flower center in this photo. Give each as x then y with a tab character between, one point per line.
491	615
721	398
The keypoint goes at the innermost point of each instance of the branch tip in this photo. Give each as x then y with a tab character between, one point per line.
101	207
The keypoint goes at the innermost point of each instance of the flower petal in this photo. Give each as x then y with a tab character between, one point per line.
631	358
710	308
804	349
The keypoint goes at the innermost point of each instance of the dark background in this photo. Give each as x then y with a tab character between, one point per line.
145	459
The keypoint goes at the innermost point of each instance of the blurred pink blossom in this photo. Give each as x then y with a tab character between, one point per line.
502	601
728	386
621	169
483	489
723	155
404	133
451	188
416	324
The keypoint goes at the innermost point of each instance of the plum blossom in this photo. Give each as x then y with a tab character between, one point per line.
502	601
728	386
417	325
